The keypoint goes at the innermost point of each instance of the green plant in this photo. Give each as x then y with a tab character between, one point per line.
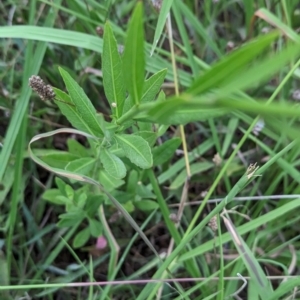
120	163
129	136
110	146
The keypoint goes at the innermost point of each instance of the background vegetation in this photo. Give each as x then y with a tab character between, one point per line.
207	89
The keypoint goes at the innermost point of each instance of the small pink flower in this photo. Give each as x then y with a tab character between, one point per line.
101	242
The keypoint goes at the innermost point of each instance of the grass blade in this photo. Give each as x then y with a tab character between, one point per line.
21	107
163	14
133	59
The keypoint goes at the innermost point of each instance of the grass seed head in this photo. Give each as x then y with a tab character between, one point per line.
213	224
45	91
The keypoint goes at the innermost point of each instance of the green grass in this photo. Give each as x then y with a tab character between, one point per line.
213	94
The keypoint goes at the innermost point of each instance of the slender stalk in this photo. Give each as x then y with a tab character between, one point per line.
183	138
134	111
114	248
20	145
176	86
163	207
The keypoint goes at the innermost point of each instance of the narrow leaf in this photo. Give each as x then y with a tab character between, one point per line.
70	112
113	80
133	59
136	149
153	85
231	65
82	103
164	152
179	111
260	72
163	14
150	88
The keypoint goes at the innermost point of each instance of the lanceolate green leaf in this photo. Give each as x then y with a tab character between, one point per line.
181	20
53	35
179	111
163	14
70	112
150	88
133	59
231	65
136	149
82	103
164	152
112	164
153	85
186	108
113	80
261	71
86	41
188	115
